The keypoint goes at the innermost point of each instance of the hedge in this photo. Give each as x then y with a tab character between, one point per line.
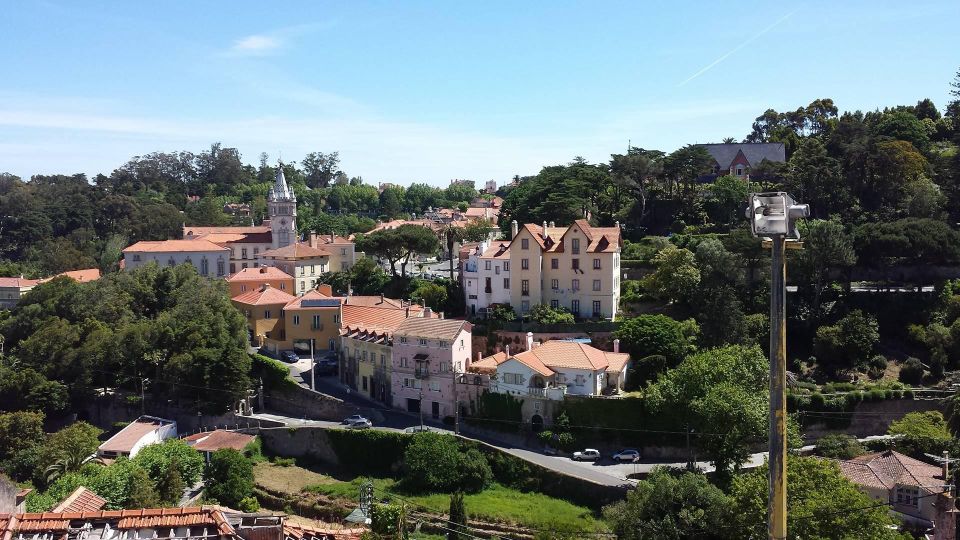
369	451
276	376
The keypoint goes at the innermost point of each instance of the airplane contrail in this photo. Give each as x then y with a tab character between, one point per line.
737	48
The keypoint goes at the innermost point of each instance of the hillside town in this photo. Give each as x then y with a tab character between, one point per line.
745	326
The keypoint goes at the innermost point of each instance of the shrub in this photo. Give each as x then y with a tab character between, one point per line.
434	462
838	446
817	400
545	437
275	375
878	362
876	395
508	470
545	314
157	459
284	462
566	442
911	372
648	335
229	478
368	451
249	504
474	470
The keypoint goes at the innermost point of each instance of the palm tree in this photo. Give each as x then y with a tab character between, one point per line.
68	464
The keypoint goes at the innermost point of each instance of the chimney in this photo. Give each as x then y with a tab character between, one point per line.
427	312
616	345
514	229
944	518
544	228
313	240
440	315
325	289
408	313
479	356
529	341
506	349
263	269
552	224
381	298
264	287
332	236
617	225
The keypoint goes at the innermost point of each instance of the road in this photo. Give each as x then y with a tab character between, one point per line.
604	472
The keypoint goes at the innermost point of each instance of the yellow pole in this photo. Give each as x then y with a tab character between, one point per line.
777	501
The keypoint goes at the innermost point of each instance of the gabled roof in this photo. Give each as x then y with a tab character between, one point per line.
566	354
125	439
264	296
174	246
431	328
533	362
372	301
889	468
314	299
497	250
336	240
197	518
237	238
490	363
616	361
212	441
18	282
80	276
196	231
725	154
260	273
296	251
81	500
381	319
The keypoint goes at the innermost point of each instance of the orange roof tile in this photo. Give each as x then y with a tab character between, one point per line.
330	532
887	469
616	361
260	273
126	438
264	296
169	246
373	301
18	282
220	439
490	363
313	294
296	251
383	318
81	276
498	250
236	238
564	354
433	328
81	500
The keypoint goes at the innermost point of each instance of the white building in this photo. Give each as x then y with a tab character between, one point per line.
208	258
485	276
13	288
141	432
556	369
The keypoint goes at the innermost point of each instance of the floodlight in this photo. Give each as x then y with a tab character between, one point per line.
775	214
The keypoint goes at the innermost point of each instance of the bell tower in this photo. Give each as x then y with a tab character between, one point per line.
282	206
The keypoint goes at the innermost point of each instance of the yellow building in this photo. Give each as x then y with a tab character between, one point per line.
575	267
302	261
251	279
313	316
263	309
342	253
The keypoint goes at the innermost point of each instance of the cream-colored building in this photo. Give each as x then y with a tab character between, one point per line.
575	267
209	259
343	255
13	288
302	261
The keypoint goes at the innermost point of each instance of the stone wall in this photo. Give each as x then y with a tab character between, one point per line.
106	412
310	442
300	402
872	418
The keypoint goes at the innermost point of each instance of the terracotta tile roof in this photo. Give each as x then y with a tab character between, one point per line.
565	354
189	230
219	439
533	362
336	240
264	296
18	282
171	246
498	250
296	251
372	301
616	361
126	438
81	276
433	328
81	500
889	468
260	273
382	318
489	364
237	238
150	518
329	532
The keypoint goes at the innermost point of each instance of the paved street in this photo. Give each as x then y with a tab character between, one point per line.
604	472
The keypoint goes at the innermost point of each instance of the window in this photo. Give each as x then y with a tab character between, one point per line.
596	308
303	285
243	253
555	304
383	360
317	325
524	243
488	288
233	268
575	307
343	265
506	266
296	320
423	342
364	383
907	495
171	262
524	264
575	264
404	362
496	269
364	356
506	283
403	339
283	286
336	318
220	267
313	270
596	264
266	314
575	285
575	246
444	345
554	263
486	265
580	380
524	306
525	287
512	378
136	257
244	265
434	386
343	251
243	288
596	284
739	171
256	251
554	284
204	266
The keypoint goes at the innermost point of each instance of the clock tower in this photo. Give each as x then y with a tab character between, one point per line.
282	207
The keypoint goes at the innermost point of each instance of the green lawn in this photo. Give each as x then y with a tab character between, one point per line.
496	504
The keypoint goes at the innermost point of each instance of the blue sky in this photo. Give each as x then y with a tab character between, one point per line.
429	91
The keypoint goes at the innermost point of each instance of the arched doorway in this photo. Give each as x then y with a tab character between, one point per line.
536	423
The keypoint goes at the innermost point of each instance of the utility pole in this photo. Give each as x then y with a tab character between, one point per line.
421	406
456	406
689	455
774	216
313	367
778	400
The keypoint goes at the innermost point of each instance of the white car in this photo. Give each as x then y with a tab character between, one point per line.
353	419
418	429
361	424
629	455
588	454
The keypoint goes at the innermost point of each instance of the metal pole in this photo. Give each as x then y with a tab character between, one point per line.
777	500
421	405
456	407
313	367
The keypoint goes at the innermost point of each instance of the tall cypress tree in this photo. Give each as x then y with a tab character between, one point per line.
458	516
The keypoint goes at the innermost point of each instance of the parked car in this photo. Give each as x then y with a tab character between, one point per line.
326	367
417	429
588	454
629	455
290	357
354	418
361	424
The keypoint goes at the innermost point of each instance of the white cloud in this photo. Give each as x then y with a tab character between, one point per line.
256	45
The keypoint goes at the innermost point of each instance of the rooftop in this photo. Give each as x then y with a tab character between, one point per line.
198	522
80	276
433	328
81	500
17	282
124	440
264	296
259	273
174	246
554	354
296	251
212	441
376	318
889	468
724	154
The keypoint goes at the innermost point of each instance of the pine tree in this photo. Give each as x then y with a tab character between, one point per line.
171	485
458	516
142	493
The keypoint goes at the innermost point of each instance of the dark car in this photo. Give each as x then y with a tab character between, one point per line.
326	367
289	356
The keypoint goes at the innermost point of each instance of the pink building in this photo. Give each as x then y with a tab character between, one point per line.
427	354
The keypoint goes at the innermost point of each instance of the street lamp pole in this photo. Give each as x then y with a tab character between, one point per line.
778	403
313	367
421	406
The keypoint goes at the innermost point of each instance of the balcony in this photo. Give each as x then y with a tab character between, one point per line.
555	393
421	373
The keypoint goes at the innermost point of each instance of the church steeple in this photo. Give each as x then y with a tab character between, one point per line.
282	205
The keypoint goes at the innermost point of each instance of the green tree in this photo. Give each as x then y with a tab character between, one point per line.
545	314
320	169
229	477
921	433
159	458
838	446
142	492
814	177
849	344
904	126
431	295
826	246
821	503
726	199
68	449
647	335
21	436
434	462
170	486
676	276
671	507
458	517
